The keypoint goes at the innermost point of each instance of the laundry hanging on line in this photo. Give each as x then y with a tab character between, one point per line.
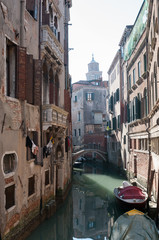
29	143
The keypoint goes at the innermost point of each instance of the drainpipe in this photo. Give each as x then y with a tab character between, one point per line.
22	17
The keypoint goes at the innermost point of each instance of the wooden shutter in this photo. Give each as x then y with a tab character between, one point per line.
21	73
29	79
115	99
142	107
111	103
37	82
128	113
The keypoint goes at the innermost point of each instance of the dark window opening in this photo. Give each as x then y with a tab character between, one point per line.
31	185
10	196
11	69
47	177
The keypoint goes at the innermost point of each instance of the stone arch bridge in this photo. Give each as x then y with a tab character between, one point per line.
87	149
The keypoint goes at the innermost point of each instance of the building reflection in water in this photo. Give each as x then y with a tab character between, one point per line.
91	216
59	226
89	212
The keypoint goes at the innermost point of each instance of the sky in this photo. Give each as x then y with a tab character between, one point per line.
97	27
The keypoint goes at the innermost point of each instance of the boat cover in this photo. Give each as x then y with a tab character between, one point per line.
131	192
134	227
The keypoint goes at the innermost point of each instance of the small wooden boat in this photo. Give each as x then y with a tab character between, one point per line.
131	196
134	225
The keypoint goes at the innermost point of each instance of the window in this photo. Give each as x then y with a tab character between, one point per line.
134	143
47	177
117	95
10	69
129	81
114	123
118	121
111	101
145	103
139	144
89	96
33	135
75	98
79	116
130	143
124	139
79	132
76	221
80	204
10	196
145	63
91	224
75	132
139	69
31	185
146	144
134	76
9	163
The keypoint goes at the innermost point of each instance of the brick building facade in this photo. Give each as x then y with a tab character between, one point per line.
35	107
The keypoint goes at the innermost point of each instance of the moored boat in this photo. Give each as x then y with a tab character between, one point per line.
134	225
131	197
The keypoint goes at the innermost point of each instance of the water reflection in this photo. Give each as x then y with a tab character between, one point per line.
90	209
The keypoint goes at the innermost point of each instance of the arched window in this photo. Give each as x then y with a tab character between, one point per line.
56	90
45	85
51	87
155	80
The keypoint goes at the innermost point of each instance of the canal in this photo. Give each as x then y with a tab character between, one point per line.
90	208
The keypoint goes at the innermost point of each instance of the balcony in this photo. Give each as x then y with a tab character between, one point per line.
54	115
139	81
51	44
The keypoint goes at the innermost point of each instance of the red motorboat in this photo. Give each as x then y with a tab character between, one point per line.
131	196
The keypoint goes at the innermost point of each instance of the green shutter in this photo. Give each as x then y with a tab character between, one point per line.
128	113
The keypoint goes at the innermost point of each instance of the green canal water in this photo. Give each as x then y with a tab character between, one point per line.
89	210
